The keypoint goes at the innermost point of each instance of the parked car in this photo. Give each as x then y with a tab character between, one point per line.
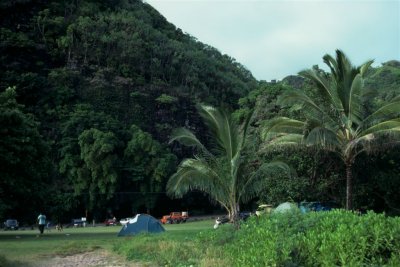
11	224
244	215
76	223
110	222
175	217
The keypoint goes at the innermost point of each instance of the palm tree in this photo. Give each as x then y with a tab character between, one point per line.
342	125
224	172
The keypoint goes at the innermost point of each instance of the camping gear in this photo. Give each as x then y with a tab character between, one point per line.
220	220
142	223
264	208
286	207
314	206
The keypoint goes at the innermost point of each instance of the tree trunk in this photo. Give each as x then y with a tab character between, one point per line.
235	215
349	187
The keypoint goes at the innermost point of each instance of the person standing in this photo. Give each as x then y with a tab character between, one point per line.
42	222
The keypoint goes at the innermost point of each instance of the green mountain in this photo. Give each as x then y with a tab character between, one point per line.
105	82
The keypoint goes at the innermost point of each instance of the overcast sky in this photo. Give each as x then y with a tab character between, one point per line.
276	38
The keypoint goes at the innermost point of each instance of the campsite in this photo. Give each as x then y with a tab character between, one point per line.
336	237
199	133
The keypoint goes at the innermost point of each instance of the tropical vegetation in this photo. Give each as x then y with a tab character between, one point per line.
100	117
91	93
338	119
228	174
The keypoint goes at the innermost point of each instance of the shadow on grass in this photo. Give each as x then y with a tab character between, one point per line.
21	236
6	263
24	248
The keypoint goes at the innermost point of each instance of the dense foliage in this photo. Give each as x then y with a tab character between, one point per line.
23	160
334	238
104	83
100	86
321	174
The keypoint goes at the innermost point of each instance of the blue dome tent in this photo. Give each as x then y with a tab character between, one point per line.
142	223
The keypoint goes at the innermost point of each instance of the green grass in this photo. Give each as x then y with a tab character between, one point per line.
181	245
28	246
25	246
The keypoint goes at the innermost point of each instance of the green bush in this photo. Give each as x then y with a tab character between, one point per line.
336	238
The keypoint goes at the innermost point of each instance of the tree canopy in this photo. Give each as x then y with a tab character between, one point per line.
339	123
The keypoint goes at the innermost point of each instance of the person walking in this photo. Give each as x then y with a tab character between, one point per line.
42	222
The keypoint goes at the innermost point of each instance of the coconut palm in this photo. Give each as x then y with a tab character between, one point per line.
224	172
342	124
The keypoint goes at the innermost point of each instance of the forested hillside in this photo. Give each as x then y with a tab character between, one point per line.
99	86
90	92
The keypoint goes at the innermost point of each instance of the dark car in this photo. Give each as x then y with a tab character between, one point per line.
244	215
11	224
76	223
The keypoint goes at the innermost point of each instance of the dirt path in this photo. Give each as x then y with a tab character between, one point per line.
98	258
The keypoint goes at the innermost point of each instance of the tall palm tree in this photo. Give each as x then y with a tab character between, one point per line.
341	125
224	172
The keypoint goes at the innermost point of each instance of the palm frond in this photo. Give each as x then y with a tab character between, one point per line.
354	105
196	174
389	110
332	64
322	137
185	137
246	127
282	125
222	128
382	127
324	86
364	67
309	107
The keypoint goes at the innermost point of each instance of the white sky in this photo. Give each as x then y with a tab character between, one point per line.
275	38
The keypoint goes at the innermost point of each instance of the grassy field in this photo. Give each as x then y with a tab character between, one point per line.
27	246
335	238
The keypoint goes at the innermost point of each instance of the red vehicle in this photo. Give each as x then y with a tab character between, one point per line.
110	222
175	217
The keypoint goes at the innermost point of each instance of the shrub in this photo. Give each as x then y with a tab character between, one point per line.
336	238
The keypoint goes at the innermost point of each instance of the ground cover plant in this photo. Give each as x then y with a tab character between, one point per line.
336	238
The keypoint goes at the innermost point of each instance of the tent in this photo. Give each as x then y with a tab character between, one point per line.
286	207
314	206
142	223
